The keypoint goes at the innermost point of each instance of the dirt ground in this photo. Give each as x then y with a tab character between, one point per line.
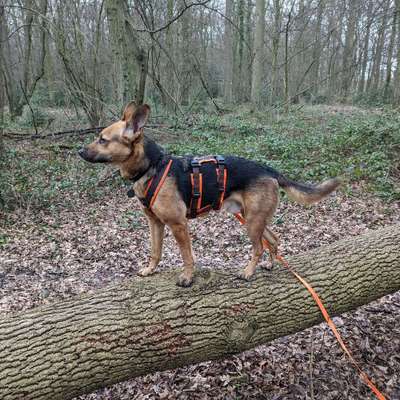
52	256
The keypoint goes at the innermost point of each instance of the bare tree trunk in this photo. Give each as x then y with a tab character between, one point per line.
396	81
237	83
388	78
365	51
228	52
140	55
2	75
275	50
348	51
286	75
170	82
258	66
114	11
185	58
144	325
317	48
249	51
376	69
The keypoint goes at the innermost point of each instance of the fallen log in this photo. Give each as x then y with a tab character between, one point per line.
143	325
72	132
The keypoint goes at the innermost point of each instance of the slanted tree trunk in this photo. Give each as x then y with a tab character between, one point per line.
258	67
148	324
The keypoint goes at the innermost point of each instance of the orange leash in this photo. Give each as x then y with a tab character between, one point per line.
325	314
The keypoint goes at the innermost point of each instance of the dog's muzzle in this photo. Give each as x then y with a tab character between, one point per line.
89	156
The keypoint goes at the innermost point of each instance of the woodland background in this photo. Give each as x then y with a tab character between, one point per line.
97	55
310	87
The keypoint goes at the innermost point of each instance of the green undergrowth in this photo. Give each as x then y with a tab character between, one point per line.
362	147
49	176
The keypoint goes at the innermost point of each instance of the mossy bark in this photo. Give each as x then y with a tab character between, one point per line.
149	324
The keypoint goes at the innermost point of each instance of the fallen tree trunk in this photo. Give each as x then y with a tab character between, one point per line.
149	324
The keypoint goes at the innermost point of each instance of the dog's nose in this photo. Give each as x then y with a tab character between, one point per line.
81	152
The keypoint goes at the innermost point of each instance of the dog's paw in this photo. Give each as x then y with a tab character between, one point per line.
269	266
184	280
146	271
245	276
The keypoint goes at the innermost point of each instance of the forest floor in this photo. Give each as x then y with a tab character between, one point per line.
72	235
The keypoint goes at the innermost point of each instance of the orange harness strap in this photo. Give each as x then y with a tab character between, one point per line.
325	314
154	186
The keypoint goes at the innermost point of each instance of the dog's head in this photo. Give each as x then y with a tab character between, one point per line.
117	142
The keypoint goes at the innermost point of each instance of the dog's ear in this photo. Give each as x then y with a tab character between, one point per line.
129	110
138	120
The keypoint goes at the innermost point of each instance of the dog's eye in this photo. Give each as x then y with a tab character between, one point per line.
103	141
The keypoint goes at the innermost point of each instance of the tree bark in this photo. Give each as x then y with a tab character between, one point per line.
396	80
390	51
256	84
376	68
2	81
228	52
348	51
148	324
365	51
116	26
277	19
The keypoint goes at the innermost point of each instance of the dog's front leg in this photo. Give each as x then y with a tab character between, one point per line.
157	238
181	234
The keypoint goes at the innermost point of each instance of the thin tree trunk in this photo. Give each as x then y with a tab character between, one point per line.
144	325
396	81
275	50
249	51
286	76
238	56
317	48
115	18
258	65
140	55
2	75
228	52
170	81
388	78
348	51
365	51
186	65
376	69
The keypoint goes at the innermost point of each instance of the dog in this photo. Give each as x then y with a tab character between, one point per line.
252	189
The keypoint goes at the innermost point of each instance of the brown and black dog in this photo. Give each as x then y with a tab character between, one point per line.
252	189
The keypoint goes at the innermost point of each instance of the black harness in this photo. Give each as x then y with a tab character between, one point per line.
208	178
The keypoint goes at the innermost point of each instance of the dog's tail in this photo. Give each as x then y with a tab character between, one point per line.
307	194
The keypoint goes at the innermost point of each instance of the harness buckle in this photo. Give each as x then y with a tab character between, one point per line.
220	159
195	163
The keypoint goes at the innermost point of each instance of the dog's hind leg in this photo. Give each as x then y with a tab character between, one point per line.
259	207
157	238
273	242
255	225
